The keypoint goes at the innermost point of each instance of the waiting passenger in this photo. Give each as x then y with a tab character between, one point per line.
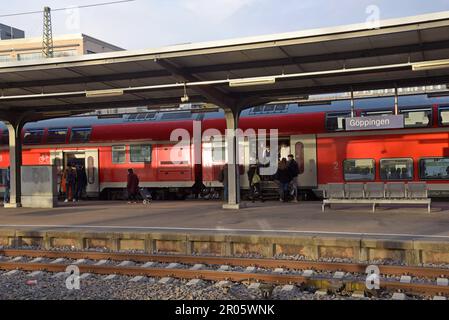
7	182
255	182
132	186
404	174
70	184
223	178
81	182
294	173
284	178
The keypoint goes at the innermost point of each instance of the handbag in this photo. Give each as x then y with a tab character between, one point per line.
256	179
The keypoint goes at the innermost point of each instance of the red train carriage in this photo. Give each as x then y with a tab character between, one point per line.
325	151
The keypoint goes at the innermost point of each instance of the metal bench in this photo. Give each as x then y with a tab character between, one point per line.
377	193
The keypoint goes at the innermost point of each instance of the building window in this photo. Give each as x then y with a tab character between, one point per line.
65	53
359	170
33	136
30	56
417	118
118	154
336	121
80	135
396	169
140	153
5	58
434	169
56	135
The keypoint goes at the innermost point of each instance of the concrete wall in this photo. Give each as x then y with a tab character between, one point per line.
39	186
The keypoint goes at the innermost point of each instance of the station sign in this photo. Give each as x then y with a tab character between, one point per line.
375	123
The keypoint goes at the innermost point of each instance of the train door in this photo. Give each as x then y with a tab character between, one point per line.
92	165
89	159
305	151
56	158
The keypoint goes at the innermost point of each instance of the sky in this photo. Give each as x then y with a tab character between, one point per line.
143	24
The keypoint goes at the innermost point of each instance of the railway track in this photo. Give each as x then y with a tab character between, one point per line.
265	271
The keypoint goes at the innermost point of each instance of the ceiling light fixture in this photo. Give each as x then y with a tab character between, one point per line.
430	65
252	82
104	93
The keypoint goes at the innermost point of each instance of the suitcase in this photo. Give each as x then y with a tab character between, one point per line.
146	195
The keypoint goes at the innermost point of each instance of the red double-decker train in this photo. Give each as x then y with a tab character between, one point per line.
325	151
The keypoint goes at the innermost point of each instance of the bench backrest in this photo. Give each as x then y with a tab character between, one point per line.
355	190
395	190
375	190
335	191
417	190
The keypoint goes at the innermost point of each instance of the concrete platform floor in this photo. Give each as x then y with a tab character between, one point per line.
271	218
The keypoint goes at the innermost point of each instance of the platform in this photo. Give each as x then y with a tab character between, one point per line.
407	234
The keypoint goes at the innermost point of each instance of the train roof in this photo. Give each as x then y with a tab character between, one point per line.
272	109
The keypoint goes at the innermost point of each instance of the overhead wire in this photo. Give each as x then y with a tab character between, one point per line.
67	8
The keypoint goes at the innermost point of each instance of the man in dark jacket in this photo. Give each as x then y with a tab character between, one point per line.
293	168
81	182
284	178
132	186
223	178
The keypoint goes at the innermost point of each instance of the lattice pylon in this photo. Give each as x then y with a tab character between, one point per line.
47	39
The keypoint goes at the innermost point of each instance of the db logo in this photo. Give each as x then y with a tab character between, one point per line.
44	158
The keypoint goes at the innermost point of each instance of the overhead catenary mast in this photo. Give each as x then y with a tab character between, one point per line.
47	39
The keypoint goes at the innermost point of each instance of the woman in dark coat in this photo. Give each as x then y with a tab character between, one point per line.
132	186
284	177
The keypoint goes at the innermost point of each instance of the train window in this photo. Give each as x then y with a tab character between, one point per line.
257	109
434	169
141	116
133	116
417	118
377	113
444	116
5	138
140	153
176	116
150	116
359	170
281	108
118	154
336	121
56	135
33	136
218	151
269	108
80	135
396	169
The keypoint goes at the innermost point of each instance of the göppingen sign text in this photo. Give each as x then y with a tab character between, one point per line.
375	123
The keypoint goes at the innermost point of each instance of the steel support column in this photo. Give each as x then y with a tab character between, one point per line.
15	163
232	121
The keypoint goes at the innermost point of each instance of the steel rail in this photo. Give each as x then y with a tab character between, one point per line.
213	275
244	262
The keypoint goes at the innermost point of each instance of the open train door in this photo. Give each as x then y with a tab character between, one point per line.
93	181
305	151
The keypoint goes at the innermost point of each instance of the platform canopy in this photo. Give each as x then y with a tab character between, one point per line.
231	74
236	73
